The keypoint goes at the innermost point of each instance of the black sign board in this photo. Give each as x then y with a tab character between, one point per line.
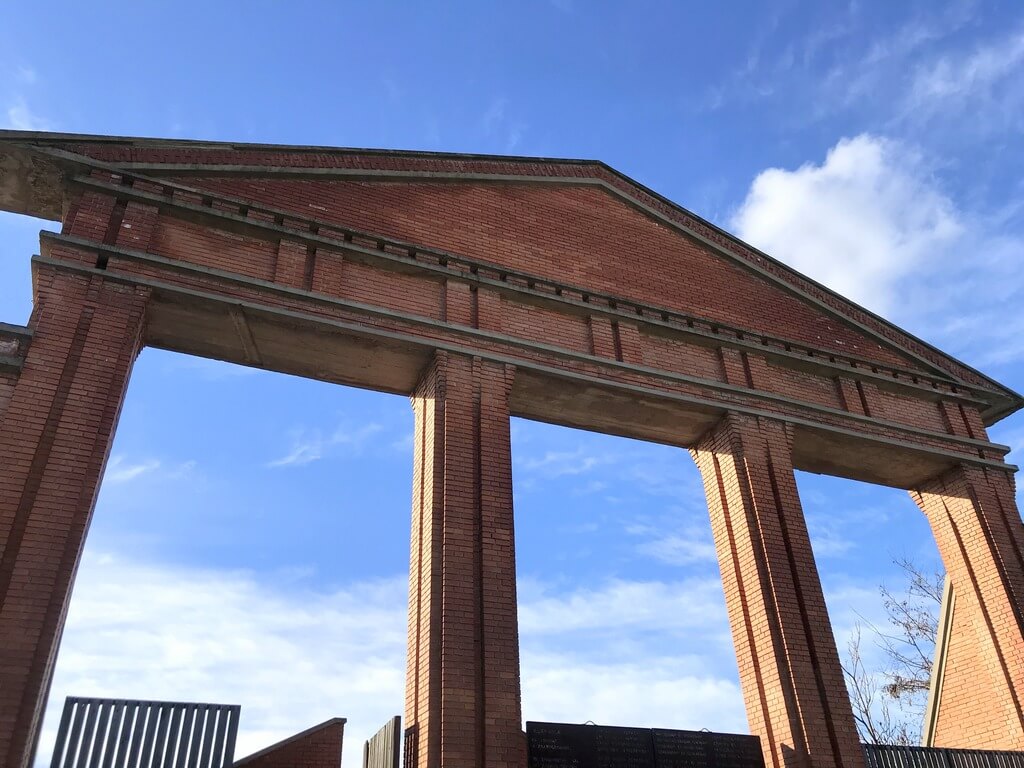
562	745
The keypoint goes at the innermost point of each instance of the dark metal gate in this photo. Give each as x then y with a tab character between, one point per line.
117	733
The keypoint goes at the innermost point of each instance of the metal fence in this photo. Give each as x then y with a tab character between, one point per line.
883	756
117	733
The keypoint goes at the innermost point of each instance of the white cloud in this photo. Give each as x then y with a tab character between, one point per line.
290	658
21	118
205	368
653	692
306	448
872	223
552	464
687	604
121	471
497	125
859	222
494	116
690	547
346	435
643	653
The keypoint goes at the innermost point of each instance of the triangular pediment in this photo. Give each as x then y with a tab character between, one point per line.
574	222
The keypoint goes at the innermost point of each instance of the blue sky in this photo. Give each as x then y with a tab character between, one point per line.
250	541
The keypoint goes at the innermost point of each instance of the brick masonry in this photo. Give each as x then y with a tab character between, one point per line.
510	285
789	668
317	747
54	439
462	692
974	517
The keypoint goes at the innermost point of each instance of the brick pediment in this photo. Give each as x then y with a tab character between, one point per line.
571	221
580	235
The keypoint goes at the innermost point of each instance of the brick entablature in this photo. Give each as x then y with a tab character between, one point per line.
239	159
523	308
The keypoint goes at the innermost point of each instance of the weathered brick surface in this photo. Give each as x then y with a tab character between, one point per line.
318	747
963	718
978	529
462	695
54	439
7	382
789	667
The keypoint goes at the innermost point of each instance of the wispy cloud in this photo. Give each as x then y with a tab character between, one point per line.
20	118
292	657
621	689
119	470
311	445
970	75
305	450
691	546
26	75
553	464
500	126
685	605
208	369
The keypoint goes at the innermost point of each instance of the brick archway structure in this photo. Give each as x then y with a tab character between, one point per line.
482	287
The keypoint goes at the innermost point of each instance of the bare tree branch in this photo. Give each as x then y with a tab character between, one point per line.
888	703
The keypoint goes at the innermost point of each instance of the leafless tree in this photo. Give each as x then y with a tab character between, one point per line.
888	702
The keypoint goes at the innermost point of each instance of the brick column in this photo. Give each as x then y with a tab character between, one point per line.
980	536
54	438
462	687
789	668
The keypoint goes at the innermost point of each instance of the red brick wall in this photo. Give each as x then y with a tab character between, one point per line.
349	277
210	248
680	357
802	386
318	747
